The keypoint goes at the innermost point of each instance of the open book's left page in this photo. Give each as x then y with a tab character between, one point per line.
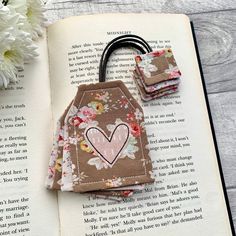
26	207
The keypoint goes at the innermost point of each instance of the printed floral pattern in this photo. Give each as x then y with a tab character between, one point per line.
156	83
102	96
65	171
135	129
80	118
113	183
173	71
138	114
147	67
58	164
86	116
146	64
97	162
85	147
53	163
124	103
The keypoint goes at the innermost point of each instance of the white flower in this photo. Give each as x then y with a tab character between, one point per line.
116	182
35	18
16	46
73	140
106	108
82	176
171	68
103	97
8	19
138	114
9	58
33	13
147	67
73	167
130	149
72	111
7	68
111	127
75	179
84	125
18	5
98	163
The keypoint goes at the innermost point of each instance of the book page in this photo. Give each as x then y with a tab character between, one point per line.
26	207
187	197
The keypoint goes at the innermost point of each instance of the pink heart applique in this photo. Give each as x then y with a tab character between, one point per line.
110	148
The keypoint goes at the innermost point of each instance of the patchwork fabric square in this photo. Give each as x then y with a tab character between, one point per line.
156	74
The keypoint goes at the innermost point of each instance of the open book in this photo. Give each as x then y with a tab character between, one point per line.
187	198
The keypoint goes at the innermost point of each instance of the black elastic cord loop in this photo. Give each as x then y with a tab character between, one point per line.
112	48
128	40
128	37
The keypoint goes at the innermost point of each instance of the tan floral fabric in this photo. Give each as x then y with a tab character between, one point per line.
156	74
104	146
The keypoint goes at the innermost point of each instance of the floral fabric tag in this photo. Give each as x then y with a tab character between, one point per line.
156	74
101	143
60	167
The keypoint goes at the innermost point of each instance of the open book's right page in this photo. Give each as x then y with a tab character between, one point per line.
187	197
